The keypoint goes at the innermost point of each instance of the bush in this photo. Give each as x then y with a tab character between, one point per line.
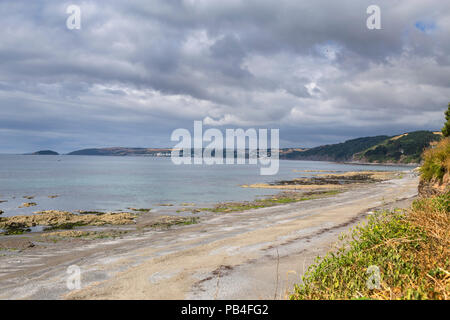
436	161
410	249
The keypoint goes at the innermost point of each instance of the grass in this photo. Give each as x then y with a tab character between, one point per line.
411	250
436	161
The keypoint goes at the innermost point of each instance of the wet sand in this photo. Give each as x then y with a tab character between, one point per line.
256	254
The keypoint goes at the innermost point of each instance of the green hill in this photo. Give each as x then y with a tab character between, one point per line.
336	152
404	148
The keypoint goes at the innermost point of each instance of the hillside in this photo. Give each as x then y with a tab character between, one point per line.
46	153
408	248
336	152
119	151
404	148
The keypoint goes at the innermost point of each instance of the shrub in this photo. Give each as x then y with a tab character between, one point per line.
410	249
436	161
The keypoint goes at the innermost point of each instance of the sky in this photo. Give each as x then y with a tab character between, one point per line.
137	70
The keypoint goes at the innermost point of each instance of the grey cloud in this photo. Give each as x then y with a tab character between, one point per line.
138	69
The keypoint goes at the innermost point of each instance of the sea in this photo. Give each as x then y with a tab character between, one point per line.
113	183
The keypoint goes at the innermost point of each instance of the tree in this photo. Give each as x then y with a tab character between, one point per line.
446	128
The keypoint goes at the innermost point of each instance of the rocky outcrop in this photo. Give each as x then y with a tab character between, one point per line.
434	186
65	220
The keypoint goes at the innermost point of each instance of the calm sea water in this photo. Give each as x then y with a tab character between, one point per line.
115	183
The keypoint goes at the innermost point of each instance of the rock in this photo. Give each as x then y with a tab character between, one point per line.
28	204
1	211
434	187
16	244
65	220
98	213
140	209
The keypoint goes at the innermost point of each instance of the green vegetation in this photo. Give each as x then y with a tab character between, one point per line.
282	198
98	213
337	152
14	231
410	249
406	148
140	209
446	128
65	226
436	161
61	235
167	222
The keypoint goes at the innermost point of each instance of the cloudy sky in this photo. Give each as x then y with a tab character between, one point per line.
137	70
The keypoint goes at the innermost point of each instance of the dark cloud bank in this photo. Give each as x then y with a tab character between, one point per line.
139	69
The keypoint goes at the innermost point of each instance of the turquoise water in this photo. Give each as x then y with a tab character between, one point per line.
116	183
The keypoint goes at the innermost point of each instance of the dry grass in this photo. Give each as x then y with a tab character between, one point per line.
436	161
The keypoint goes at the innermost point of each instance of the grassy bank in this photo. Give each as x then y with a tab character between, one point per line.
436	161
410	250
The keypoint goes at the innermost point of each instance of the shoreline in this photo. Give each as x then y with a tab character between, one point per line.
407	165
295	190
147	264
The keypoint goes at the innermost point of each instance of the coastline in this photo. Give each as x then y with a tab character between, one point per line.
406	165
225	246
400	164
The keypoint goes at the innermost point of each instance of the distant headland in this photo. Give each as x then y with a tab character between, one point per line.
405	148
46	153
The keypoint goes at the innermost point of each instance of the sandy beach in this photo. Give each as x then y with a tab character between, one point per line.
255	254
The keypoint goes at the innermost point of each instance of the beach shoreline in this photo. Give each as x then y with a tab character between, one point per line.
186	261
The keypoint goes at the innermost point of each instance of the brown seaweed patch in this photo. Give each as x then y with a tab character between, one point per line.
64	219
28	204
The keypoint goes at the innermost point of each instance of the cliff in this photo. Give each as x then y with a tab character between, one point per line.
435	171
